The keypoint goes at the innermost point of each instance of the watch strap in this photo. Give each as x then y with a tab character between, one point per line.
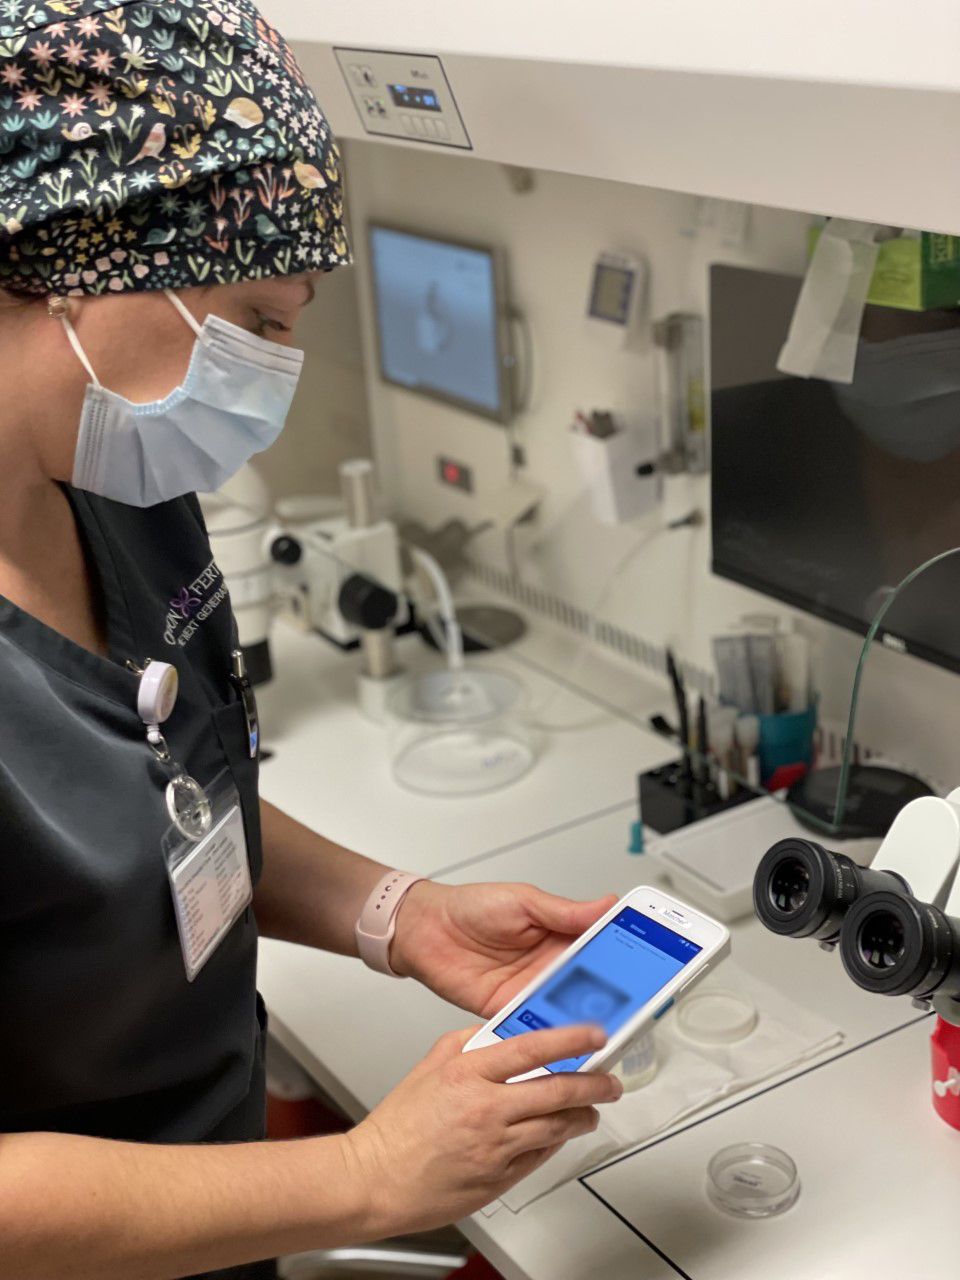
378	920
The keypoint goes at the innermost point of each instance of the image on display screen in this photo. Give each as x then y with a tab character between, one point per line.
437	316
606	982
827	494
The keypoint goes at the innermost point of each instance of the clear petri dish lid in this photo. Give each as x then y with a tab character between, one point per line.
753	1180
467	697
716	1017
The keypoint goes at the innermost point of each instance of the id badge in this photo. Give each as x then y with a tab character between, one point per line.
209	874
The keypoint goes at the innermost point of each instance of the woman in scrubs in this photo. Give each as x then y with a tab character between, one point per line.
170	199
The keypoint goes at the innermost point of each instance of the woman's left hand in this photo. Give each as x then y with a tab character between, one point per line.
478	945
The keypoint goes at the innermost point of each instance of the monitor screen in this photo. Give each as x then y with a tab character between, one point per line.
612	292
439	320
827	495
607	981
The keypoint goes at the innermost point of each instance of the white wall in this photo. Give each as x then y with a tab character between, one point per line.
552	236
329	421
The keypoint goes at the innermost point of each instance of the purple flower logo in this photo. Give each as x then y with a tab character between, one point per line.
185	603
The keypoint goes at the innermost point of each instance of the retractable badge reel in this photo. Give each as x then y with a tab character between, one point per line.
187	802
205	847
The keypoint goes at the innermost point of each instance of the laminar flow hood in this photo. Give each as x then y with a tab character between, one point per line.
844	107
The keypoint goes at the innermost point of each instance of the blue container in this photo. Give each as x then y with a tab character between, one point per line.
786	739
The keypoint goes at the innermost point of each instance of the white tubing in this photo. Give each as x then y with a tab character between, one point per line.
445	605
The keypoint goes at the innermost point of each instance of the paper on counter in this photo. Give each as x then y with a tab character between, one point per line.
825	330
691	1077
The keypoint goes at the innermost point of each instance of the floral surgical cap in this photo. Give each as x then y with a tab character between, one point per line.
150	145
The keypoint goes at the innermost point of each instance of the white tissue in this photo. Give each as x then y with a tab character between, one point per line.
823	337
691	1077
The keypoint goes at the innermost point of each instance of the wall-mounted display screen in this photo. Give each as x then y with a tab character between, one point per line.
826	494
441	320
612	294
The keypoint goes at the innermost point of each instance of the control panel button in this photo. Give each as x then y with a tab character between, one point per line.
368	76
457	476
381	107
442	130
419	127
407	123
356	75
431	128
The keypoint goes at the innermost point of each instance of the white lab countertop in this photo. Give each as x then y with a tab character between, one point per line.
566	828
331	767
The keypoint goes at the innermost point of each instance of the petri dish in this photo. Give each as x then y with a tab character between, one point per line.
717	1017
753	1180
460	733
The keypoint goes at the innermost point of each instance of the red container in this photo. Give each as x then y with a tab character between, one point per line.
946	1072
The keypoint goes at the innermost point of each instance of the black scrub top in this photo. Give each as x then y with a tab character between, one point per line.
102	1034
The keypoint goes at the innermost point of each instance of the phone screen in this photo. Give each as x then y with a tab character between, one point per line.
606	982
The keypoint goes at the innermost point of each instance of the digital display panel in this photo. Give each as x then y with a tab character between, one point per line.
414	99
612	293
606	982
438	313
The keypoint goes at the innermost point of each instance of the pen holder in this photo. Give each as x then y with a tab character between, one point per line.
786	739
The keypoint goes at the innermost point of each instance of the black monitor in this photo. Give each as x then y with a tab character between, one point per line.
442	320
826	496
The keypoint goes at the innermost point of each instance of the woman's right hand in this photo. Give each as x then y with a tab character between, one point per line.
453	1136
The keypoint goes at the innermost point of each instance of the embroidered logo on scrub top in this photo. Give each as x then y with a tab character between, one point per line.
194	604
186	604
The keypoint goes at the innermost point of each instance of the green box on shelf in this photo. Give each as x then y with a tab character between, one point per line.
918	271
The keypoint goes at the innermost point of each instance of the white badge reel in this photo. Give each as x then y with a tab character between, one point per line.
205	848
187	802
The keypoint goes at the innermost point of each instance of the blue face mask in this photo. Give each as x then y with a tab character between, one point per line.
233	403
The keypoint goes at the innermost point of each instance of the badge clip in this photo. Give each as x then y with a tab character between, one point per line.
187	803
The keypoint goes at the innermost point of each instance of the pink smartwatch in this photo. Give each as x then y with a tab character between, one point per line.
378	920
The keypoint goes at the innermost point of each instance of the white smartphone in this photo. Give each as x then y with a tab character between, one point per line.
623	974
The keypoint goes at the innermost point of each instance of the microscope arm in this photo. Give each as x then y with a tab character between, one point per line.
923	846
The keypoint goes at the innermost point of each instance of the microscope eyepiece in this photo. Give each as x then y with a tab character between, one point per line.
896	946
802	890
789	886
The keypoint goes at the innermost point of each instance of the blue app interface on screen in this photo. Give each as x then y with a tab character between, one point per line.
437	317
606	982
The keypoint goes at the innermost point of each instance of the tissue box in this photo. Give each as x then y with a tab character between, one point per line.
919	271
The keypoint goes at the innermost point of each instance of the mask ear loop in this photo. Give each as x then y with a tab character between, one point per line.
184	311
57	308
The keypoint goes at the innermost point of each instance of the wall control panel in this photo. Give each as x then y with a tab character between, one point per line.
406	96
